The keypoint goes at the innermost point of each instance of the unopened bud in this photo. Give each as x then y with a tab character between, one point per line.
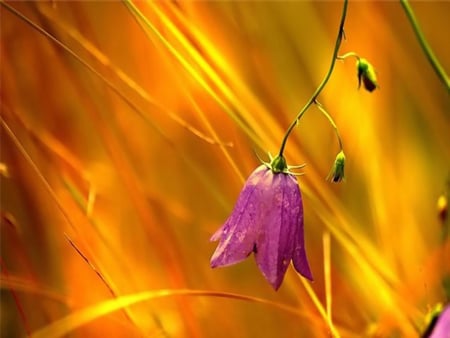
367	74
442	207
337	172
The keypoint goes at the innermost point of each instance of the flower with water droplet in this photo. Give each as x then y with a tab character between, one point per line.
337	172
268	221
367	74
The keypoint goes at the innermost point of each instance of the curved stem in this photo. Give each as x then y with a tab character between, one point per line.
333	124
347	55
322	84
438	69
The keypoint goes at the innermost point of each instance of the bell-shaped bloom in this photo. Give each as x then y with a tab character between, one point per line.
268	221
367	74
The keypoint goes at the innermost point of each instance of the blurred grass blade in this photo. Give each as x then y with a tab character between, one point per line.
68	324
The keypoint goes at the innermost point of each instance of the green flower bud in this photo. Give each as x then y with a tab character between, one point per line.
337	172
442	207
367	74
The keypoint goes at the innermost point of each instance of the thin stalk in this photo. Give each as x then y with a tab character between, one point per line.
322	84
333	124
347	55
437	67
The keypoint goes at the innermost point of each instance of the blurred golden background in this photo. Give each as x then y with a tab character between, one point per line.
128	130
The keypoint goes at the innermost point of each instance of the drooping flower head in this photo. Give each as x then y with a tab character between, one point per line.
442	207
337	172
367	74
267	220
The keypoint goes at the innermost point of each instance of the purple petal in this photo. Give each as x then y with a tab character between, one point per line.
299	253
267	220
238	234
442	327
276	241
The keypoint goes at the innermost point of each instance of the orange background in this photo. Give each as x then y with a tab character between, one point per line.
128	131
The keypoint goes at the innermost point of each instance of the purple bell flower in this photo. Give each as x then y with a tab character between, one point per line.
268	221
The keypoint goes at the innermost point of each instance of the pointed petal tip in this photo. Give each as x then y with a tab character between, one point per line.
276	285
274	280
216	236
216	261
308	275
302	267
305	271
222	259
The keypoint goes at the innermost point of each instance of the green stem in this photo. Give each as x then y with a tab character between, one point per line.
322	84
330	119
439	70
347	55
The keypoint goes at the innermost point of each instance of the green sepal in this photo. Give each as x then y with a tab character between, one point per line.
279	165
